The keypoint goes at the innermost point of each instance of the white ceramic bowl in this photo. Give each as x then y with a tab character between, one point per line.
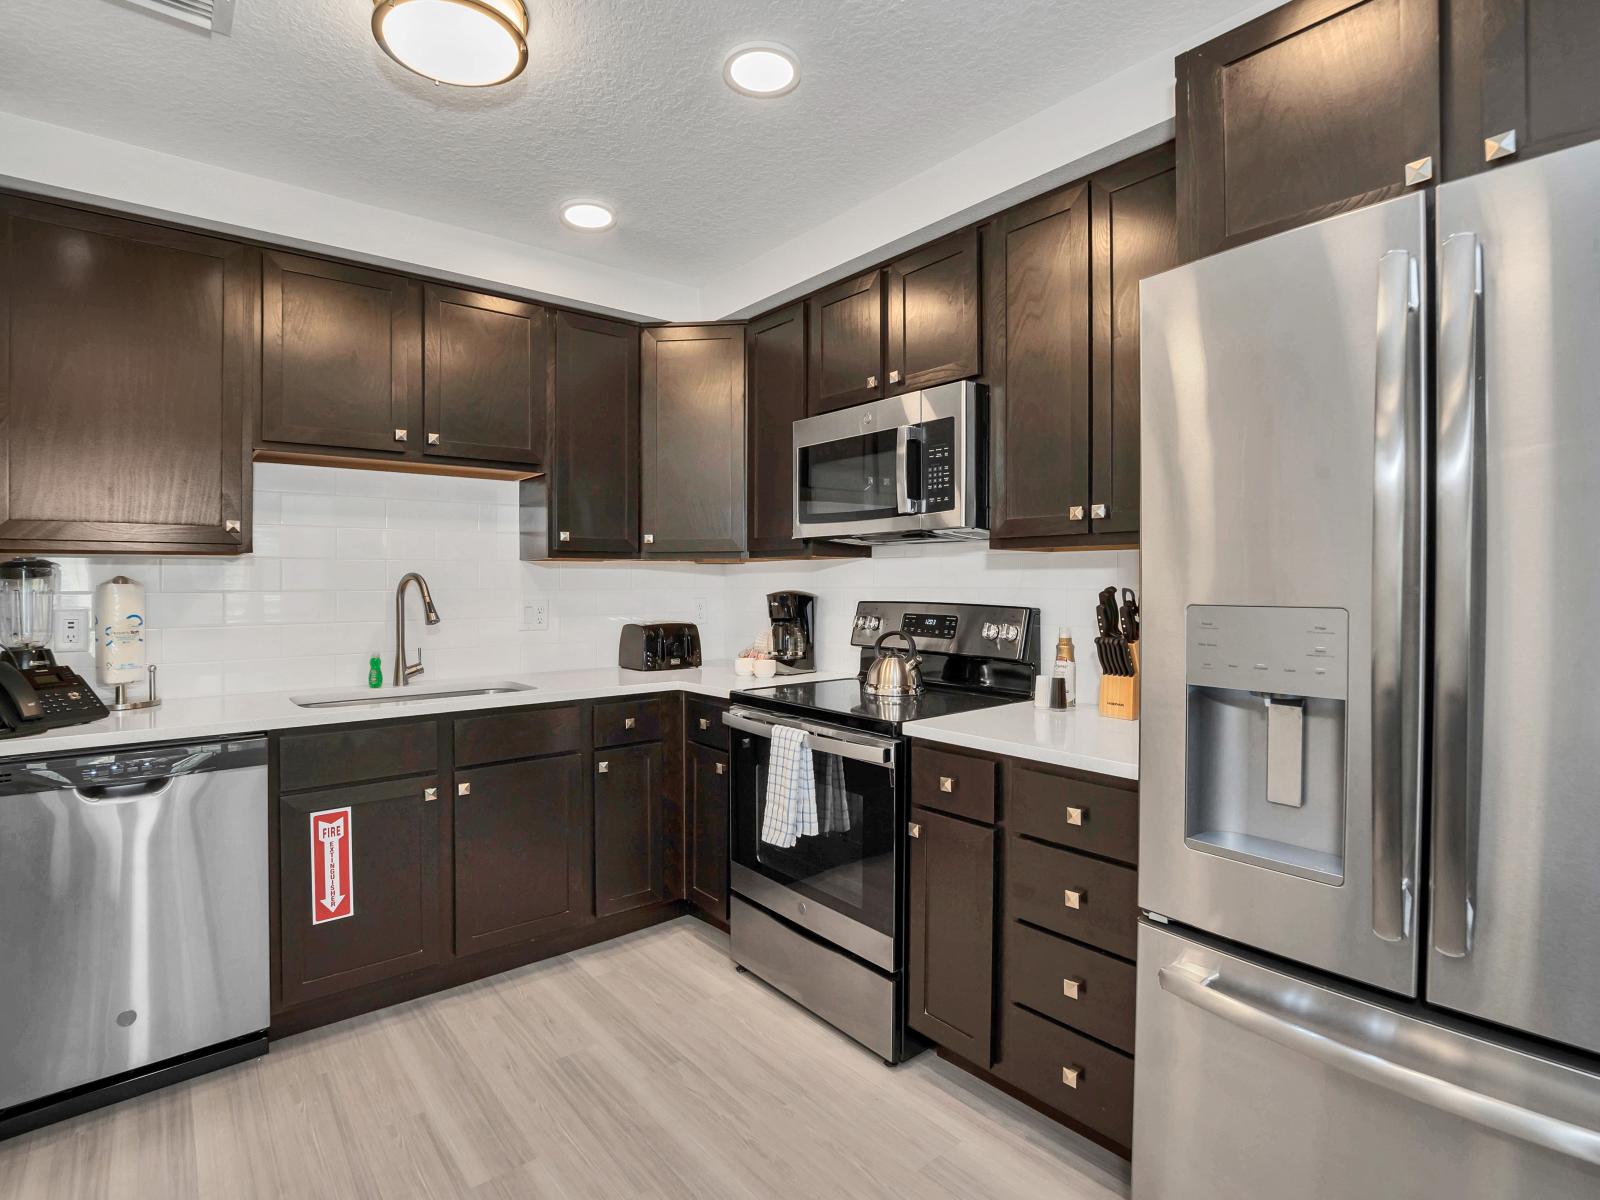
744	666
765	668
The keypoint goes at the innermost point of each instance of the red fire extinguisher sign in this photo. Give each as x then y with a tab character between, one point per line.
332	882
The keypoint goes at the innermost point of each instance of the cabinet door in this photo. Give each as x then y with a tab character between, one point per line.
521	851
951	954
128	365
1312	109
341	355
1039	387
846	344
933	320
692	458
1524	68
1134	235
777	373
486	375
593	487
709	850
629	828
392	887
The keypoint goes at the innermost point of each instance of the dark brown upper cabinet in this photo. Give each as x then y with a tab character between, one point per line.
630	803
1309	110
933	317
691	385
128	368
776	347
1039	368
1133	235
951	956
1519	80
587	503
341	356
486	376
846	344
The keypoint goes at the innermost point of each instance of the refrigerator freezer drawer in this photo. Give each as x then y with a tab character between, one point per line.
1253	1082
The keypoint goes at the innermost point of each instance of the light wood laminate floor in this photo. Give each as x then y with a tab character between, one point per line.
645	1067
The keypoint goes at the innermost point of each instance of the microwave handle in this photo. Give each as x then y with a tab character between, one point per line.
904	437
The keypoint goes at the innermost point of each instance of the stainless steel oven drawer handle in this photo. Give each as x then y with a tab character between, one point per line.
878	753
1210	993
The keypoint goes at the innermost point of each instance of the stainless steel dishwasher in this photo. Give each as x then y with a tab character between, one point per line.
133	922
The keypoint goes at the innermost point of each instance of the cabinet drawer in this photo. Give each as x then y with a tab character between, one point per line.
626	721
703	721
356	752
1039	1057
1072	894
1072	812
1083	988
501	737
953	783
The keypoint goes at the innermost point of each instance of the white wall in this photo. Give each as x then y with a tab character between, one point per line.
315	600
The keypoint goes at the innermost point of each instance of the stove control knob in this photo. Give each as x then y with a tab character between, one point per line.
991	631
874	624
1009	633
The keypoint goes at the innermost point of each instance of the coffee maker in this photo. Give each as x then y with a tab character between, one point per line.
793	616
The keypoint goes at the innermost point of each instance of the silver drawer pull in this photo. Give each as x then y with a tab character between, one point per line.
894	376
603	768
629	722
705	723
946	784
914	830
433	439
1076	816
649	539
722	769
1075	512
564	536
429	794
463	789
399	435
1073	898
230	525
1072	988
1072	1076
872	381
1097	511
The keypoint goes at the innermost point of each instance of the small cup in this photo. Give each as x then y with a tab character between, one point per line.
764	668
1058	693
1041	692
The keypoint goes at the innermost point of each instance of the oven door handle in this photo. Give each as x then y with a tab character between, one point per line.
877	751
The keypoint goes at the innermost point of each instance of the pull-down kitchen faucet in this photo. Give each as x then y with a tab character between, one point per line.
403	671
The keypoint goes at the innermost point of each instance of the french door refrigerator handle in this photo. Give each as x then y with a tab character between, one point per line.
1397	594
1458	606
1286	1025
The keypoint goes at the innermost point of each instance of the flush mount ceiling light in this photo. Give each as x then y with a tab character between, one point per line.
469	43
761	69
588	216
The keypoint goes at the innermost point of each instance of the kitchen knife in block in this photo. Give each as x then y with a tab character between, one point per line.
1119	694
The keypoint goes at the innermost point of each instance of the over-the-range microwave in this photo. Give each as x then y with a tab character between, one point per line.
910	468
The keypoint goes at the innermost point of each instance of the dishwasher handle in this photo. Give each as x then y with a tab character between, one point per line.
120	793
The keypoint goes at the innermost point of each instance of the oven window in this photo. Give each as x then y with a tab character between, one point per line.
849	863
852	479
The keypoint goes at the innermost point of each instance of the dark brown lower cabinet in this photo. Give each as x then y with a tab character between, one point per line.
521	857
629	819
951	953
396	830
706	796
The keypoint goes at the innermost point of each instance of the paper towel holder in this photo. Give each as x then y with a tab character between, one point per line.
120	703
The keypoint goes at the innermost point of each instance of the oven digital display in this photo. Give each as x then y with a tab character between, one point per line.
928	625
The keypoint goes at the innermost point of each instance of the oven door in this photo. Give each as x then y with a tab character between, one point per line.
858	471
841	883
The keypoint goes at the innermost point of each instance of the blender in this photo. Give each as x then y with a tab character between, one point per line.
28	591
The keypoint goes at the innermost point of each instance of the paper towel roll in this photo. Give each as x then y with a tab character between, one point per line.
119	631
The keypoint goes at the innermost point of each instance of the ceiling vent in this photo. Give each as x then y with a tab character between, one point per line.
214	16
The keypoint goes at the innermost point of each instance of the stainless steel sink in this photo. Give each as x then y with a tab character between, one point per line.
412	695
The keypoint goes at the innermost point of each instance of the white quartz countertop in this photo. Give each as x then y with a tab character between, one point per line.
1077	737
227	716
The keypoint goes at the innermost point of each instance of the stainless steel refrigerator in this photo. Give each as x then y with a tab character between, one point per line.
1370	749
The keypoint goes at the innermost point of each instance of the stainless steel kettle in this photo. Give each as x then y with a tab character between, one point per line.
892	672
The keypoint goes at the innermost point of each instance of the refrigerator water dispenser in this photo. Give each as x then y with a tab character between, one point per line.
1265	737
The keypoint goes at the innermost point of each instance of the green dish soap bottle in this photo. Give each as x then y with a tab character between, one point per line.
375	672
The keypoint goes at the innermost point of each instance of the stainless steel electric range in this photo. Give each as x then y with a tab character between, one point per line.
823	919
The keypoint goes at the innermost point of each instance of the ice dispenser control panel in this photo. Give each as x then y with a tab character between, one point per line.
1278	651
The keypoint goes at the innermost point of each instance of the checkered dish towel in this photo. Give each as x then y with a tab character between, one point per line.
791	790
833	797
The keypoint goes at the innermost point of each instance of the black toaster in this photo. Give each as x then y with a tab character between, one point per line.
668	646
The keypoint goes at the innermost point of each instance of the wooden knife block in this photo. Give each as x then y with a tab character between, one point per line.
1119	694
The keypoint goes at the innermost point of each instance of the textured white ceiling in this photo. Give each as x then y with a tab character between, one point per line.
623	100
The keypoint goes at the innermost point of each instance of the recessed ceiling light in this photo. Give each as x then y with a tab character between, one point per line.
588	216
470	43
761	70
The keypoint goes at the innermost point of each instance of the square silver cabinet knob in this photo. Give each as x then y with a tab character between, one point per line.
1098	511
914	830
1075	513
1072	988
1072	1076
629	722
1419	170
1072	898
872	381
564	536
463	789
399	435
1501	145
649	539
1075	816
894	376
705	722
947	783
430	794
231	526
603	768
433	439
722	769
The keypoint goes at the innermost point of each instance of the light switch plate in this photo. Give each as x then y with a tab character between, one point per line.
700	606
72	629
536	616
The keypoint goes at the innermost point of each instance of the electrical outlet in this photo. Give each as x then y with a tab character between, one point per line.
72	629
536	616
700	606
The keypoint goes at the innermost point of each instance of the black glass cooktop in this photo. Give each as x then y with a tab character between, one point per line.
844	698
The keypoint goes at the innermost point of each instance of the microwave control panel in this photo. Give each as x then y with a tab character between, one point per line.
938	465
